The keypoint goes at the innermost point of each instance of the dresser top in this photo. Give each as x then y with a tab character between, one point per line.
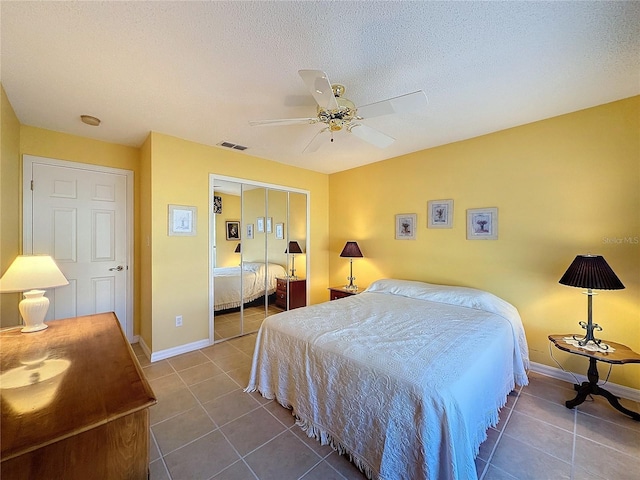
77	374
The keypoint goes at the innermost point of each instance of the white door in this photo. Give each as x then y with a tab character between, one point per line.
78	215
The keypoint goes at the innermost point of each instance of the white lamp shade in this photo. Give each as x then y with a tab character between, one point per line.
29	272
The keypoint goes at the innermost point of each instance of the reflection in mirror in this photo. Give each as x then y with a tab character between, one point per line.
277	245
250	263
254	258
292	289
226	262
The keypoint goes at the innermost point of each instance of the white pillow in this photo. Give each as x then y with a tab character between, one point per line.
252	266
452	295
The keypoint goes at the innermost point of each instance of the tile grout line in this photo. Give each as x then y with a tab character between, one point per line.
161	457
500	433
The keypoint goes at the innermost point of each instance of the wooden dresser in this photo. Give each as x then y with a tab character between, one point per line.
292	292
75	403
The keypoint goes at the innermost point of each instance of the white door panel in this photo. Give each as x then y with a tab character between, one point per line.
79	217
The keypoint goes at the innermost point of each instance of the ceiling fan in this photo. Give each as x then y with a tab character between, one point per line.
339	113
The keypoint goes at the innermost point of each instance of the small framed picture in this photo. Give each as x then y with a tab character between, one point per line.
482	224
250	231
260	224
280	231
217	204
269	224
233	230
406	226
182	220
440	214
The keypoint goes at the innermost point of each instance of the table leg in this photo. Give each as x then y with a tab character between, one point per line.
592	388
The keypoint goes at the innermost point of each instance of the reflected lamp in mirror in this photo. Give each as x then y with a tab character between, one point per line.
593	273
293	248
351	251
31	274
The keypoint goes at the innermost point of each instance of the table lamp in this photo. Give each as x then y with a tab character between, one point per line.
593	273
238	248
351	250
31	274
293	248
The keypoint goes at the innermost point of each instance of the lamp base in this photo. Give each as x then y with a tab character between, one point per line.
351	287
33	308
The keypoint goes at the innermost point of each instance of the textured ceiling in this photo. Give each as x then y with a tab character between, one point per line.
201	70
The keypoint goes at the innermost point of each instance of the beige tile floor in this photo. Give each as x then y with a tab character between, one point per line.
205	427
227	323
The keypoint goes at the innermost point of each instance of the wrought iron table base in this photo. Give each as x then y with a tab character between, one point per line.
592	388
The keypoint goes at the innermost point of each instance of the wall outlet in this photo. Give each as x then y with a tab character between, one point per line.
178	320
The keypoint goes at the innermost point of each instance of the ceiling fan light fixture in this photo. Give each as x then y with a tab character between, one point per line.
90	120
339	113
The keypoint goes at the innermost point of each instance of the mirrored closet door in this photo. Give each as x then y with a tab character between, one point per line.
258	245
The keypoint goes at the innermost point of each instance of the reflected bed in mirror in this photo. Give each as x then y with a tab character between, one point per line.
255	275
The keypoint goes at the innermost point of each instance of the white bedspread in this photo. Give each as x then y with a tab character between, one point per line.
256	277
404	383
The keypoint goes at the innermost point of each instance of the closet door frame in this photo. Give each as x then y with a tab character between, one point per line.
212	232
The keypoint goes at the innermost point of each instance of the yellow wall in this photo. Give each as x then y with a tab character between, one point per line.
62	146
180	175
10	204
564	186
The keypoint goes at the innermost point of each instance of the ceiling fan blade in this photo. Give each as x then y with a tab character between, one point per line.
283	121
371	135
318	84
315	142
410	102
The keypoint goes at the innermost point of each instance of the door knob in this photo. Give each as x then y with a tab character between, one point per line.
117	269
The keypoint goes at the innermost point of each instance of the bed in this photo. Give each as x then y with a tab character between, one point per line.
405	377
255	276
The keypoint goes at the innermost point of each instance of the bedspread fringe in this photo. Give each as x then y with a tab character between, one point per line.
492	419
319	434
325	438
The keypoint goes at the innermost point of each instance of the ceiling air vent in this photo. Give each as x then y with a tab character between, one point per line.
234	146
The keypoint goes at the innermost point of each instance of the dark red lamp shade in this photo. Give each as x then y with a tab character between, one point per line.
294	247
238	248
351	250
591	271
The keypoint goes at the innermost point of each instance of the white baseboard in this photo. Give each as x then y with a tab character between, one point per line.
145	348
172	352
553	372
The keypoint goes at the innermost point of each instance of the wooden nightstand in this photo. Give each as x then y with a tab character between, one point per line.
340	292
291	291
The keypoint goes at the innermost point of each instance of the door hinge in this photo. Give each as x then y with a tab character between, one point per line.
32	185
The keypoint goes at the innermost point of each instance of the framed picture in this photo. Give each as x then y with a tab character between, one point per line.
233	230
269	224
217	204
280	231
482	224
260	224
406	226
440	214
182	220
250	231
